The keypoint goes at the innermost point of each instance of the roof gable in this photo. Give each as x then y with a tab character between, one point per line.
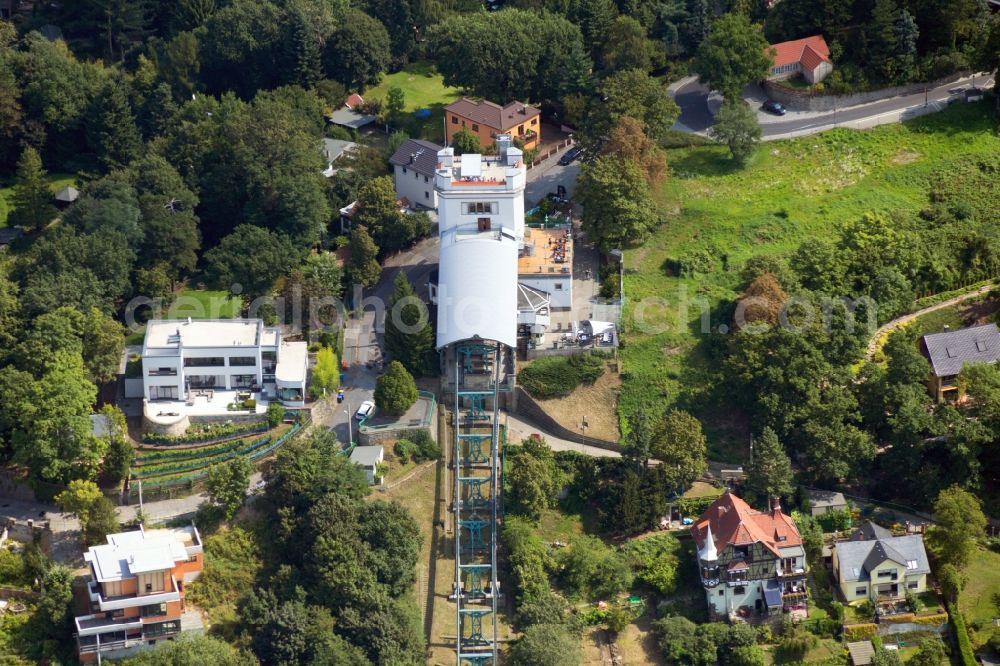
804	51
733	522
858	558
420	156
950	350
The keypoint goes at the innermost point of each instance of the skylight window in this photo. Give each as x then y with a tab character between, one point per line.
980	345
951	352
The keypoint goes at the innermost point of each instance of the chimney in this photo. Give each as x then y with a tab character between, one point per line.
413	157
947	328
775	505
189	320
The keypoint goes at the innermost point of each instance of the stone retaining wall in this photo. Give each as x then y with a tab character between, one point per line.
804	100
529	409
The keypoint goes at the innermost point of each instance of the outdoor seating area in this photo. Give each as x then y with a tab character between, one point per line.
559	247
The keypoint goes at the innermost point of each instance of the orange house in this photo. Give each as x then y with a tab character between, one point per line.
136	591
486	120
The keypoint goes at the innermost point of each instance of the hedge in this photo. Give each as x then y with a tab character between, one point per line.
965	653
209	433
859	632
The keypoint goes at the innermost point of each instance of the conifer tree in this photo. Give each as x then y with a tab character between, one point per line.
111	130
32	200
409	338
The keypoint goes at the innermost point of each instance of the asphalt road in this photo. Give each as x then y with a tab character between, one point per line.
548	179
695	116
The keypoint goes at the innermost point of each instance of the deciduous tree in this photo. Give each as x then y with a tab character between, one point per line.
736	126
618	208
464	141
326	373
252	258
546	644
733	54
228	483
960	522
680	447
358	51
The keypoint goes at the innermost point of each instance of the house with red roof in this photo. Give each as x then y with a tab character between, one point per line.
751	563
809	57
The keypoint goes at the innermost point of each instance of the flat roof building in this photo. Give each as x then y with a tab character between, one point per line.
136	590
185	362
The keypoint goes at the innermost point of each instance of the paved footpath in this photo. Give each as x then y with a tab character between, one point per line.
874	344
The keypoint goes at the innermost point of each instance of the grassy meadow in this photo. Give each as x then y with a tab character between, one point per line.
57	181
717	215
423	88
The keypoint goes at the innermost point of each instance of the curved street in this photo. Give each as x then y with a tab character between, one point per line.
696	115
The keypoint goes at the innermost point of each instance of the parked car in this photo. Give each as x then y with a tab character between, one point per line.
773	107
365	410
570	155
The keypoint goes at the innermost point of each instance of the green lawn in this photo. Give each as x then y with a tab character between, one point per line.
197	304
57	181
423	88
717	216
982	591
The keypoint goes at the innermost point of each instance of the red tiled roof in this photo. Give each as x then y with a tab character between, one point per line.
809	51
491	114
735	523
353	101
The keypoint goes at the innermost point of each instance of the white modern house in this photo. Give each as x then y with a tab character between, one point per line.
413	167
201	366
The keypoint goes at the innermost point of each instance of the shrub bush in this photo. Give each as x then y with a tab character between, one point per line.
834	521
404	450
206	433
560	375
275	414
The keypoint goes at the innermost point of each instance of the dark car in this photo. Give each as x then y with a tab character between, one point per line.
773	107
570	155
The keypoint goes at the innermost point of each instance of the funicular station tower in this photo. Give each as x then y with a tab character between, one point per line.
481	226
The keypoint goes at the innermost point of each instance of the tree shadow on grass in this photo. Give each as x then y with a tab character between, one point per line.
707	161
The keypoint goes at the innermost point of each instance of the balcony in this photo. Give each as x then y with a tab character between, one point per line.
131	600
92	625
791	574
111	645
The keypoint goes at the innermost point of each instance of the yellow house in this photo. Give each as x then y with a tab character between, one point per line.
878	566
